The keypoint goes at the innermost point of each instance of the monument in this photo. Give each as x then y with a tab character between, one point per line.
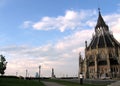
53	75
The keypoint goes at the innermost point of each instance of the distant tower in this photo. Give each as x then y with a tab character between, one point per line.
37	75
53	75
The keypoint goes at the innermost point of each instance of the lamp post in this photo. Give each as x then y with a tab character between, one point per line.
16	73
39	72
26	73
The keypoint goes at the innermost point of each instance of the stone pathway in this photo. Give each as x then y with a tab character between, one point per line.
51	84
115	84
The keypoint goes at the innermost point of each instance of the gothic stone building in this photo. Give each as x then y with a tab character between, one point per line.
102	55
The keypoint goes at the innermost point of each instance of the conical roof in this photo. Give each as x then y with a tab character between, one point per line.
102	38
101	22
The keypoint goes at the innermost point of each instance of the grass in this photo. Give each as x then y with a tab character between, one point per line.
19	82
69	83
22	82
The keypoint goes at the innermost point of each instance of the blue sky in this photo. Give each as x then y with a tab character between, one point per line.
50	33
14	13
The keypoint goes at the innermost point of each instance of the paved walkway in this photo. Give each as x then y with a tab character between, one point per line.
115	84
51	84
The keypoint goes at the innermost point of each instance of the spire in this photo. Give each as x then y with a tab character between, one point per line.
101	23
103	37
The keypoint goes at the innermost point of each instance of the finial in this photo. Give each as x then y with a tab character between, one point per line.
99	9
98	3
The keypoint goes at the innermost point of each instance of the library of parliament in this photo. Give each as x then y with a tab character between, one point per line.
102	55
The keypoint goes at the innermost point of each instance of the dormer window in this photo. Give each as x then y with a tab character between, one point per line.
99	31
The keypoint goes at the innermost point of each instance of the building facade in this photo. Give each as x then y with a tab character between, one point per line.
102	55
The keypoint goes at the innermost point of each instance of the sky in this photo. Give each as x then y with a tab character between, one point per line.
51	33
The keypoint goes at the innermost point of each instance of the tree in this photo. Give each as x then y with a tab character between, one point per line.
3	64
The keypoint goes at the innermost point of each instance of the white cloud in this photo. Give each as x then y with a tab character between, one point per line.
48	56
62	54
70	15
71	20
113	21
76	39
27	24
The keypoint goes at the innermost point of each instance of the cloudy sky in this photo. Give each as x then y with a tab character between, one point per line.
51	33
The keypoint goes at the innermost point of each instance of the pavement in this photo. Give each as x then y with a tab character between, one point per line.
94	81
51	83
100	82
115	84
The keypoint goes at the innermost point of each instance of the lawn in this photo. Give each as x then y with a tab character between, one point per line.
19	82
69	83
22	82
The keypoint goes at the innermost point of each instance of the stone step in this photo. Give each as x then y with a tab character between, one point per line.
115	84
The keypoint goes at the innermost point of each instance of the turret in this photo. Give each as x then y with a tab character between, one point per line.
85	44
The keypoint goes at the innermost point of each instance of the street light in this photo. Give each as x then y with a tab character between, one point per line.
26	73
16	73
39	71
